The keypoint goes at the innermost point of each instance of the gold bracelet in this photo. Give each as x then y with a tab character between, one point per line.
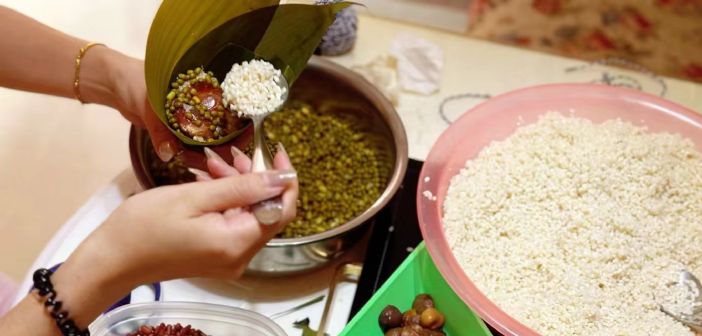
76	76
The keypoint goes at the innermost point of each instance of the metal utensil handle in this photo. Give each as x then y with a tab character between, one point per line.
298	307
270	211
346	272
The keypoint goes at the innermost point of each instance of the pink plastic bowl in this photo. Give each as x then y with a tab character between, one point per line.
498	118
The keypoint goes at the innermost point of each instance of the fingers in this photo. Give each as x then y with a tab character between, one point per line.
282	162
230	213
200	175
164	142
217	166
289	205
245	237
242	163
237	190
197	159
245	230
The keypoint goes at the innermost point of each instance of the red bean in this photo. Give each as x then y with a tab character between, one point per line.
167	330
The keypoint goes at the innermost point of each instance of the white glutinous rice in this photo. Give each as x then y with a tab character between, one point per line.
573	228
252	88
428	195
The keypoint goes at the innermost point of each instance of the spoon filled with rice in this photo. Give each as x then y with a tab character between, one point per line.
255	89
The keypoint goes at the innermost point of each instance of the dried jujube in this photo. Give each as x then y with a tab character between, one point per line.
423	319
431	319
394	332
422	302
410	317
390	317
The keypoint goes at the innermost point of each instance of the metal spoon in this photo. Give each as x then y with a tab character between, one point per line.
270	211
694	320
296	308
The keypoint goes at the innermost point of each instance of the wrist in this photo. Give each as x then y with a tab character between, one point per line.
97	75
92	279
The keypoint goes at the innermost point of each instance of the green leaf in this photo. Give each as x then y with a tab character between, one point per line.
218	33
295	33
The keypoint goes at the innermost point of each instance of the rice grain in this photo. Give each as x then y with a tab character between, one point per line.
574	228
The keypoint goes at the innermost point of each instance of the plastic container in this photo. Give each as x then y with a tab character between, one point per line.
211	319
417	275
498	118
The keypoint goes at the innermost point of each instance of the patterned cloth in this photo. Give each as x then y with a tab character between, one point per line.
664	36
8	289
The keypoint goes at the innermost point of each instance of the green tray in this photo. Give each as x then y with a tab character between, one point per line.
417	275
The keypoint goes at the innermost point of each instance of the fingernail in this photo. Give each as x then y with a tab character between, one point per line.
200	173
281	148
212	155
165	151
279	178
236	152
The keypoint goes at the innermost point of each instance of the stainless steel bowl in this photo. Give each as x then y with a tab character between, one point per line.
333	87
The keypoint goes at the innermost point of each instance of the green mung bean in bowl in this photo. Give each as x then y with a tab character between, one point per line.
350	150
340	167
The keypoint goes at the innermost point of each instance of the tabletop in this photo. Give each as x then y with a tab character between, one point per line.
55	153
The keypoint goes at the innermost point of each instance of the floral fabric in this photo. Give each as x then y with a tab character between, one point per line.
664	36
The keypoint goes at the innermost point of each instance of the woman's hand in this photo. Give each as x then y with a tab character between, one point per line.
128	85
189	230
201	229
106	76
130	98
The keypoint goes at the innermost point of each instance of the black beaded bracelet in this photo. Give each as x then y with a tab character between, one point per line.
45	289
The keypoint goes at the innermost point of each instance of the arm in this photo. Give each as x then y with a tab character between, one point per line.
81	285
198	229
41	59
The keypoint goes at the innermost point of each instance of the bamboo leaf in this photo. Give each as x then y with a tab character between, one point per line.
218	33
294	34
